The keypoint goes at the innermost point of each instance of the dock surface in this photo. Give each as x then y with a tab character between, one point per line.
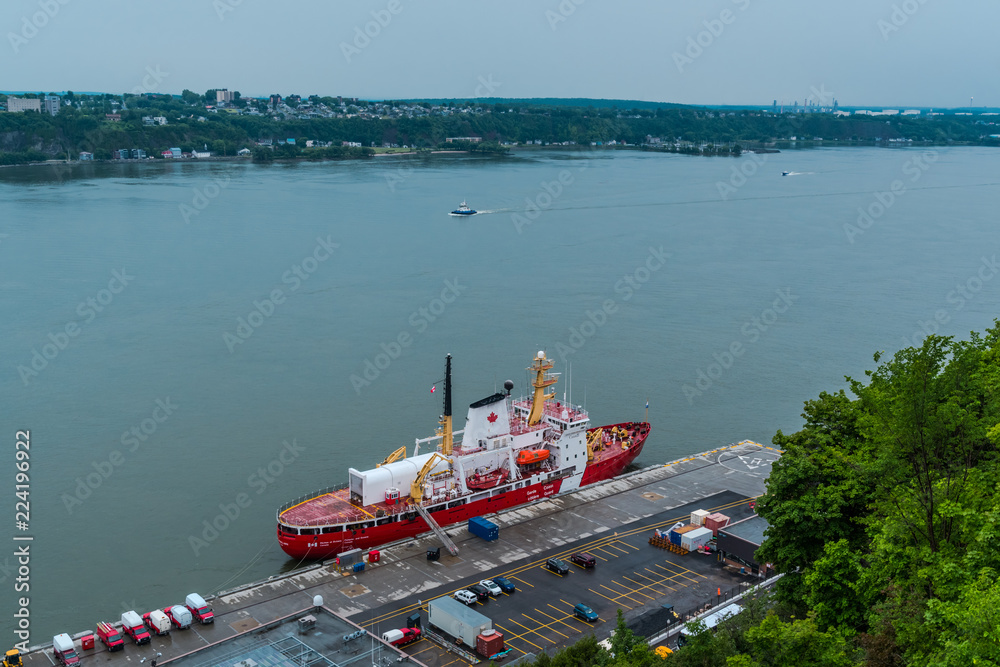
611	520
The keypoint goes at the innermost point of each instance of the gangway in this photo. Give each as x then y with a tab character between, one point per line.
443	536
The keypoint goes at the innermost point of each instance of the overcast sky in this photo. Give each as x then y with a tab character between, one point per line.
863	52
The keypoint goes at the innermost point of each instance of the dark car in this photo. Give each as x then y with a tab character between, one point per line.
505	584
584	612
482	593
557	566
583	559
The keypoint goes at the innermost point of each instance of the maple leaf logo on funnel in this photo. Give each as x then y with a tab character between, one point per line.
492	418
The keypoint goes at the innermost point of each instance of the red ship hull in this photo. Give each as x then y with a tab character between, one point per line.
318	547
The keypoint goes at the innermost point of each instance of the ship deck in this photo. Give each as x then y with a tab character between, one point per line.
611	519
335	506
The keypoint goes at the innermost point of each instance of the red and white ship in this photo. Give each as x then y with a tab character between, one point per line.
511	452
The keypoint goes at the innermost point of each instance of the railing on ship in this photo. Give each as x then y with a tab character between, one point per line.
308	496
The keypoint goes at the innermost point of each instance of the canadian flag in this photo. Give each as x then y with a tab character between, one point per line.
433	387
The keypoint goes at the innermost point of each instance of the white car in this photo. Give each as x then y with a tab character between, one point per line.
489	585
466	597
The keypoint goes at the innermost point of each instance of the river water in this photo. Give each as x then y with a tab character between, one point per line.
195	344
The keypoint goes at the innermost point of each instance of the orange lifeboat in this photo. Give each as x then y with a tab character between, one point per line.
529	456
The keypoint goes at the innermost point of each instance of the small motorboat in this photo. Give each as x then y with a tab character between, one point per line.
529	456
785	173
463	209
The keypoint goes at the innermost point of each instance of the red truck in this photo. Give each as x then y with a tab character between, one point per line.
199	608
110	636
401	637
134	627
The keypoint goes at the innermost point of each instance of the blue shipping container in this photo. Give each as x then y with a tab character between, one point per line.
487	530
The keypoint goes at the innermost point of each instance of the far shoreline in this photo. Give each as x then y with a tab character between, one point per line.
772	147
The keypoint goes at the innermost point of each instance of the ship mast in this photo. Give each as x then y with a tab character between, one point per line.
541	381
447	443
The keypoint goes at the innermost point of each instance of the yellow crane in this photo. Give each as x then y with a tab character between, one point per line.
417	486
395	456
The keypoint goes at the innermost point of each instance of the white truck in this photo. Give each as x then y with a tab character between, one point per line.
457	620
62	647
157	622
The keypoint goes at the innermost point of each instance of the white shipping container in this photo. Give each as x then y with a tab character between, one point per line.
698	517
457	620
698	537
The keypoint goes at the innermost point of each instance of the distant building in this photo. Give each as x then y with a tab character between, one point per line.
223	96
290	141
120	154
352	144
243	152
911	112
138	154
18	104
167	154
154	120
85	156
201	154
176	152
51	104
474	140
113	117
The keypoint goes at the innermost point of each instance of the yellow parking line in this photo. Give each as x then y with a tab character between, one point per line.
683	572
530	631
601	549
663	582
523	582
623	595
656	582
636	590
544	625
609	599
626	544
611	546
557	620
571	605
510	636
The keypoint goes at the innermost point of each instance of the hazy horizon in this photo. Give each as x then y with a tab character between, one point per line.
725	52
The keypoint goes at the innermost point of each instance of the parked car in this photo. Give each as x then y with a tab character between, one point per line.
466	597
584	612
583	559
558	566
491	586
482	593
505	584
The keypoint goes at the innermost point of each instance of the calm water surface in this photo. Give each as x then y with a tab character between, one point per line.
152	419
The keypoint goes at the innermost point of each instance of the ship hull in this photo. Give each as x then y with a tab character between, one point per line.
319	547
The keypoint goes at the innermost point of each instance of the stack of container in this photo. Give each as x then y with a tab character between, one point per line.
695	538
716	521
698	517
677	534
